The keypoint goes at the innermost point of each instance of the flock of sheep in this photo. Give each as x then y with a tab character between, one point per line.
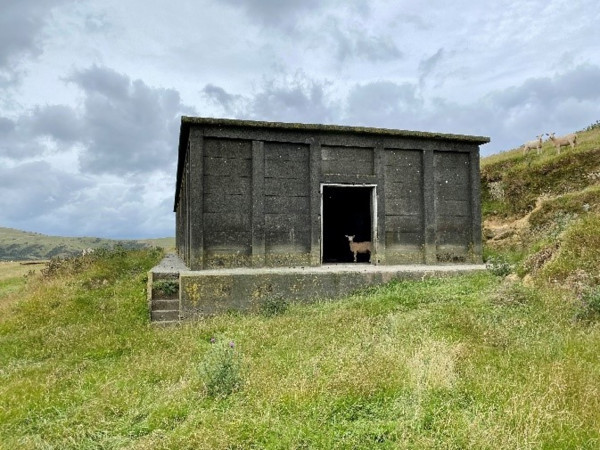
562	141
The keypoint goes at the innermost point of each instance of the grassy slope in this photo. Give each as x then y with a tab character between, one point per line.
559	244
473	362
19	245
467	362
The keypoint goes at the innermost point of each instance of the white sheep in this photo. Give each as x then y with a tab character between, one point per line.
537	144
359	247
563	141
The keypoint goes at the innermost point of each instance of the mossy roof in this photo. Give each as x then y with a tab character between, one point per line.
186	121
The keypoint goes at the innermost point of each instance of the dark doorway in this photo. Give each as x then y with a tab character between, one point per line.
347	210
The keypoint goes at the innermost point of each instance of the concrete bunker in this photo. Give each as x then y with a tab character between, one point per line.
263	210
269	194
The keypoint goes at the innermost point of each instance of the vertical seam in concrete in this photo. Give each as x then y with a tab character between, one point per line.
258	204
315	201
380	190
196	199
430	206
475	198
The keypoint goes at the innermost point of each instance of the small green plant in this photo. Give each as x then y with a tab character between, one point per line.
166	287
589	309
221	369
274	306
498	266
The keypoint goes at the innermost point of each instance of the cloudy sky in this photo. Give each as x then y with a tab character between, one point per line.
91	92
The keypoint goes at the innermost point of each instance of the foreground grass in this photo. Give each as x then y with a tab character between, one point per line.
464	362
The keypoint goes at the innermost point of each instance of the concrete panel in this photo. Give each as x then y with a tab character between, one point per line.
347	160
410	224
228	241
227	148
279	151
275	204
227	185
286	169
405	205
291	187
226	222
219	202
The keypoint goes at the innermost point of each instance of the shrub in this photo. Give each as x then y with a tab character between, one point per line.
221	369
498	266
274	306
589	309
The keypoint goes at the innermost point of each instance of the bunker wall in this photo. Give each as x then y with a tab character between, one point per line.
252	197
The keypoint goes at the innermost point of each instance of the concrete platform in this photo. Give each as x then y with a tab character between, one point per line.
210	292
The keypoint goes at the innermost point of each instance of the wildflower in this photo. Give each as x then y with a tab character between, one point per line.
212	340
231	344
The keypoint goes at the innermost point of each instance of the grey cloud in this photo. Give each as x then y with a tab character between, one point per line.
34	189
96	23
293	100
102	81
36	196
20	25
16	140
383	103
127	126
230	103
354	44
428	65
413	19
581	83
275	13
58	121
6	126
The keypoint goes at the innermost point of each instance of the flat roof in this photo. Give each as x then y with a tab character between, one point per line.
186	121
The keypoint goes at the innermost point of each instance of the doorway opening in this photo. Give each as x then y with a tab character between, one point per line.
346	210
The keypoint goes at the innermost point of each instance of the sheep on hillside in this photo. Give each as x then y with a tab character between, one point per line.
359	247
537	144
563	141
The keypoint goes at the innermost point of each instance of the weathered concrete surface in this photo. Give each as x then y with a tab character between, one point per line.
252	194
209	292
164	304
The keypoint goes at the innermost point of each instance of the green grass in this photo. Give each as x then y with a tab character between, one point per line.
466	362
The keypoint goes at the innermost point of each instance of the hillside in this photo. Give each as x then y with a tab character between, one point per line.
16	245
542	212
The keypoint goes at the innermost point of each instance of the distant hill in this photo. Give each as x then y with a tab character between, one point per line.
17	245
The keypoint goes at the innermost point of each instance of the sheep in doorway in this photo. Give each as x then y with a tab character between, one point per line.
359	247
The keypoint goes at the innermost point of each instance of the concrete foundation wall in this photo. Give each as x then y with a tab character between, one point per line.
206	293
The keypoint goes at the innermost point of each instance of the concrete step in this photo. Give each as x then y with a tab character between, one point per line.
165	304
165	315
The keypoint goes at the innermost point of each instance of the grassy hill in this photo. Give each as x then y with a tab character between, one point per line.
503	359
17	245
542	212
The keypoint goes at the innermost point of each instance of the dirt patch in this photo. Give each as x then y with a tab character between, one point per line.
503	232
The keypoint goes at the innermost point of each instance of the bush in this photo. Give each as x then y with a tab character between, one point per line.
274	306
221	369
589	309
498	266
